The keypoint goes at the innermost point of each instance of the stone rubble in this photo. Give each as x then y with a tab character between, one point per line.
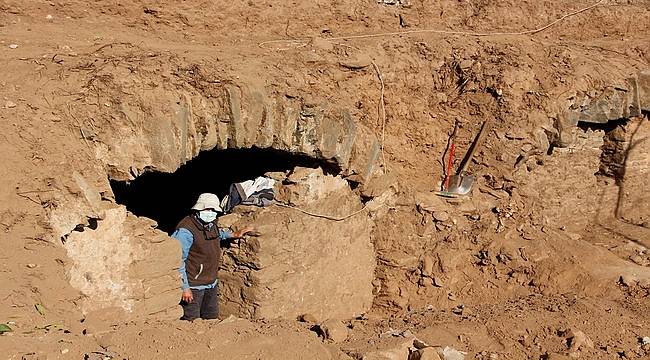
620	101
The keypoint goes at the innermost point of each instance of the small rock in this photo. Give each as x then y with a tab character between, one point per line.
49	17
403	22
428	201
334	330
357	63
437	282
309	318
466	64
407	333
13	46
458	310
427	353
419	344
64	351
577	339
441	216
628	280
427	266
10	104
511	135
452	354
638	260
229	319
645	340
31	266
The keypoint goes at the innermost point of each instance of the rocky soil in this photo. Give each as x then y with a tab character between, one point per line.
548	258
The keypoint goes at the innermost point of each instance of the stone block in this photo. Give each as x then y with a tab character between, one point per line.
571	117
308	130
288	112
252	113
596	112
346	139
644	90
633	106
267	126
236	129
205	136
114	269
331	131
163	143
302	263
615	103
364	157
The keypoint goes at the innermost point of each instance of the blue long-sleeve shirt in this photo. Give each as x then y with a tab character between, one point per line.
186	239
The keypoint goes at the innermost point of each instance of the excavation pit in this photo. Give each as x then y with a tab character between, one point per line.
300	263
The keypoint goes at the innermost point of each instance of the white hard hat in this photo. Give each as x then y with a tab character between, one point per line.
207	201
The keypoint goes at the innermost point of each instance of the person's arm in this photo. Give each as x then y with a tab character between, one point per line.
227	236
186	240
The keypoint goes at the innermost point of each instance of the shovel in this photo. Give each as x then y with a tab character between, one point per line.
461	183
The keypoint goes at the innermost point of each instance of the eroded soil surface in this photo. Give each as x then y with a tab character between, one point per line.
551	244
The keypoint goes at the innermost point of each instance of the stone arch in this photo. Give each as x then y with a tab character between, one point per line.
121	261
235	117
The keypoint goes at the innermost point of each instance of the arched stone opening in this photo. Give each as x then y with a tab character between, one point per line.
166	197
125	262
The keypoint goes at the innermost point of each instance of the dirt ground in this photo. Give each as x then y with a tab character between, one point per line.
548	259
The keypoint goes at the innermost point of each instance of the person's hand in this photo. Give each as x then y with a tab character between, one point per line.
244	231
187	296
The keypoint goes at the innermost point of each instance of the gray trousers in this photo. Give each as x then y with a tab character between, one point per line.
205	305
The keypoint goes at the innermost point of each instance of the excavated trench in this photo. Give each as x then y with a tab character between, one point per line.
166	197
301	264
158	162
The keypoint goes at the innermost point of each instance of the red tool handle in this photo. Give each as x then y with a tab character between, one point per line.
450	164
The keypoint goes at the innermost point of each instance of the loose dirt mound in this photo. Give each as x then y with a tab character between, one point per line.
551	248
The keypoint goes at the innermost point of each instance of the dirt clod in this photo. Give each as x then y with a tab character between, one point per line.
334	330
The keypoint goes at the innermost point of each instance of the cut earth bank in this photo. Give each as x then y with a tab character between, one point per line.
534	259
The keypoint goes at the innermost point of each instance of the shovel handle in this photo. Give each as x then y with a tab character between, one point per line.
450	164
472	149
450	161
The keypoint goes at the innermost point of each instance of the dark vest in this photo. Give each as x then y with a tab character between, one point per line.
204	257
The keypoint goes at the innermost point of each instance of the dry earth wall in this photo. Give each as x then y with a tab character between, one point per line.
302	264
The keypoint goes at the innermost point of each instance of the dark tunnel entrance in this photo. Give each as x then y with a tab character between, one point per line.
168	197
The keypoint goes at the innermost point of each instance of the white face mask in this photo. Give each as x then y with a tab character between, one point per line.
207	216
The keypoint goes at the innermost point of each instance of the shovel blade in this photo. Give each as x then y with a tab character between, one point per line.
459	185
